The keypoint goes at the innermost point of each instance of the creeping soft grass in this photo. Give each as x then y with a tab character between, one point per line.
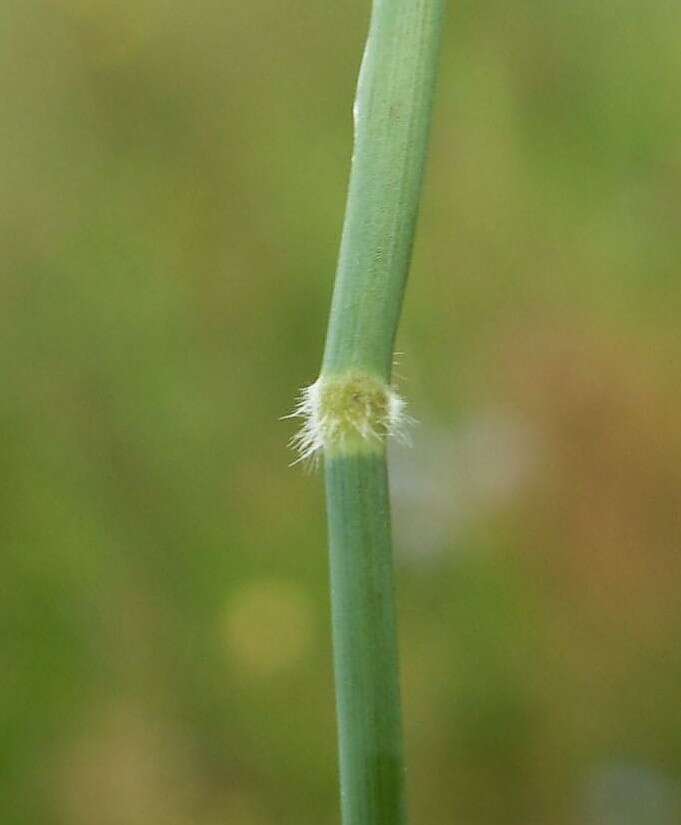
352	409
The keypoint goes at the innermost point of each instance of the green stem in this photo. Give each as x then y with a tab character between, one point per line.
392	117
365	641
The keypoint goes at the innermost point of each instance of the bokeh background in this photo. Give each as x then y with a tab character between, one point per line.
172	187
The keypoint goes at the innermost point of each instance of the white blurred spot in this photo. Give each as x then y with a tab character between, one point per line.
630	794
453	478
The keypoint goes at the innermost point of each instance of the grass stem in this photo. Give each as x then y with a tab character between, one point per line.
352	409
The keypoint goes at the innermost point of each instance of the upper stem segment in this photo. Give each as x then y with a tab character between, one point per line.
392	117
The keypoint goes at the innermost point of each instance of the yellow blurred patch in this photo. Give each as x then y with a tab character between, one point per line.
267	626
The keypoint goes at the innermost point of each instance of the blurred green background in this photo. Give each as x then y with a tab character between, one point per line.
172	187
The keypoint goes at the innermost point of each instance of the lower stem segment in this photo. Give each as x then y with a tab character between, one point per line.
365	640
